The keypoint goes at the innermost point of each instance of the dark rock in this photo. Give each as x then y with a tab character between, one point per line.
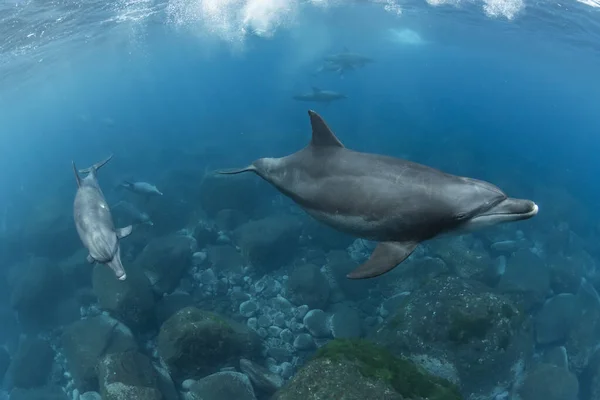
339	265
262	379
194	343
307	285
555	320
31	365
164	261
346	324
549	382
44	393
38	287
131	301
228	220
358	370
317	323
205	234
467	330
527	278
269	243
223	385
129	375
225	258
85	342
169	305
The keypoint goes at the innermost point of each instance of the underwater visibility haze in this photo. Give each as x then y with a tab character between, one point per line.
425	226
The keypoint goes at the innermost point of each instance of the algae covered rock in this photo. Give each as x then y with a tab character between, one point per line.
194	343
467	334
128	376
355	369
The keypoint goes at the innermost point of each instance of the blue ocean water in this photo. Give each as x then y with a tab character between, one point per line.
500	90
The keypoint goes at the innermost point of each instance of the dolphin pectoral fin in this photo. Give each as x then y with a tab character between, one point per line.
385	257
250	168
90	259
124	232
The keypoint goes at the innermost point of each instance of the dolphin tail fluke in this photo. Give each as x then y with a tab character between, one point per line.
385	257
250	168
96	166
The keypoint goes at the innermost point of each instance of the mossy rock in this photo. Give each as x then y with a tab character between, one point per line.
374	362
194	343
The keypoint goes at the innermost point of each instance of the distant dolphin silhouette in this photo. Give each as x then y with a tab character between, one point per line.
393	201
94	221
320	96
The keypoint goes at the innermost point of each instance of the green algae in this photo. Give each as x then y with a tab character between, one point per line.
375	362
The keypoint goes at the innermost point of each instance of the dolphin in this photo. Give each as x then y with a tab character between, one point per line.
395	202
348	60
144	188
320	96
94	221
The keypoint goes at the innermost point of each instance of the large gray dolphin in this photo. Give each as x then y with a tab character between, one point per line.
94	221
393	201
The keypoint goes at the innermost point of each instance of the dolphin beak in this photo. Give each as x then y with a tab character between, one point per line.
117	266
520	209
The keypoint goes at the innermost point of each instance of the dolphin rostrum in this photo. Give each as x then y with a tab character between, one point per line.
393	201
94	221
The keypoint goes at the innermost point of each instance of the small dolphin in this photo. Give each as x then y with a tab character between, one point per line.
320	96
94	222
133	212
142	188
393	201
348	60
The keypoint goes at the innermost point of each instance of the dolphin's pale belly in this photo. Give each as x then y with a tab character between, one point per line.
355	225
94	224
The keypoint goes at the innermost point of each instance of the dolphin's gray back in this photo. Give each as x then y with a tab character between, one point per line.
396	196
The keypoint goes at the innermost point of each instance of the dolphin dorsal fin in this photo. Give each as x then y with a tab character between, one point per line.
321	134
315	89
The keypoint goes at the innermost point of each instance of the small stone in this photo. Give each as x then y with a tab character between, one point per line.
264	321
300	312
274	331
304	342
187	384
279	320
248	308
287	370
286	335
262	332
316	322
252	323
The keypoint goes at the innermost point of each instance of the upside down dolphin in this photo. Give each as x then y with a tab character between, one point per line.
393	201
94	221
